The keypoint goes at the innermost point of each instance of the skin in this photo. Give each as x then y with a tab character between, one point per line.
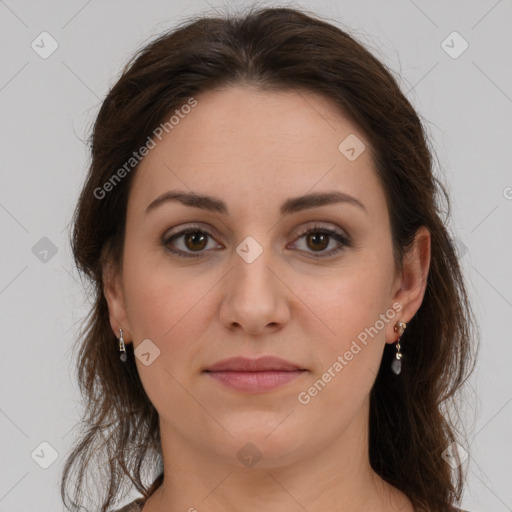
254	150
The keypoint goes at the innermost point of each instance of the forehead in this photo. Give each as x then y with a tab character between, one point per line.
244	143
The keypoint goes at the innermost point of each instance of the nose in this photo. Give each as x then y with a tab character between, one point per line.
254	299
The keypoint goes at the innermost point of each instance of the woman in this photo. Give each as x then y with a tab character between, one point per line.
280	318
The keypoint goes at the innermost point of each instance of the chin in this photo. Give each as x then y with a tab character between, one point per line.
273	446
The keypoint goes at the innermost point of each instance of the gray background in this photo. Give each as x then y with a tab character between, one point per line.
47	106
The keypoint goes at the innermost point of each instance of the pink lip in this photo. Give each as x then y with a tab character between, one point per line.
244	364
255	382
254	375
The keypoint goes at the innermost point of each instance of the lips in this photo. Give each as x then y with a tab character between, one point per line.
254	375
262	364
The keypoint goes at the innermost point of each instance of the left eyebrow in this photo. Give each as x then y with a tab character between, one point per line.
296	204
291	205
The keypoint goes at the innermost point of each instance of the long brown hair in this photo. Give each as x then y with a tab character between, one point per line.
411	416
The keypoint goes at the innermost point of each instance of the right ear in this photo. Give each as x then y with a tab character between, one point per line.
114	294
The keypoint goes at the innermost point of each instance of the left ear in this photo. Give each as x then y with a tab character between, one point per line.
410	286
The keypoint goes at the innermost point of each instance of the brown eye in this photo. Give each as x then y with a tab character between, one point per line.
317	241
195	241
187	242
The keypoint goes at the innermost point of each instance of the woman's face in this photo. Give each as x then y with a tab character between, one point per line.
251	283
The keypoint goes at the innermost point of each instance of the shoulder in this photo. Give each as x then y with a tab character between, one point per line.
134	506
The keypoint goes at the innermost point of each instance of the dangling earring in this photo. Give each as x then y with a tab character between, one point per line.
122	348
396	365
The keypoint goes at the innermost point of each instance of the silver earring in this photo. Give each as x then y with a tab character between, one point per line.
396	365
122	348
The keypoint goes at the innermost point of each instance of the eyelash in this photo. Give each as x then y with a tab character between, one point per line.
342	239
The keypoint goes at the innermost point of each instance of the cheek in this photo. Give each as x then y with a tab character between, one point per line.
347	304
347	360
163	305
167	305
351	309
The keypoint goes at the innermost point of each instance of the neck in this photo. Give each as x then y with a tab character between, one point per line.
334	477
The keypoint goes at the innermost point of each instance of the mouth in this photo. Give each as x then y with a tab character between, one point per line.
254	375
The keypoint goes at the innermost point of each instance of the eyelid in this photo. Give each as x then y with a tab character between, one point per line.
207	228
316	225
